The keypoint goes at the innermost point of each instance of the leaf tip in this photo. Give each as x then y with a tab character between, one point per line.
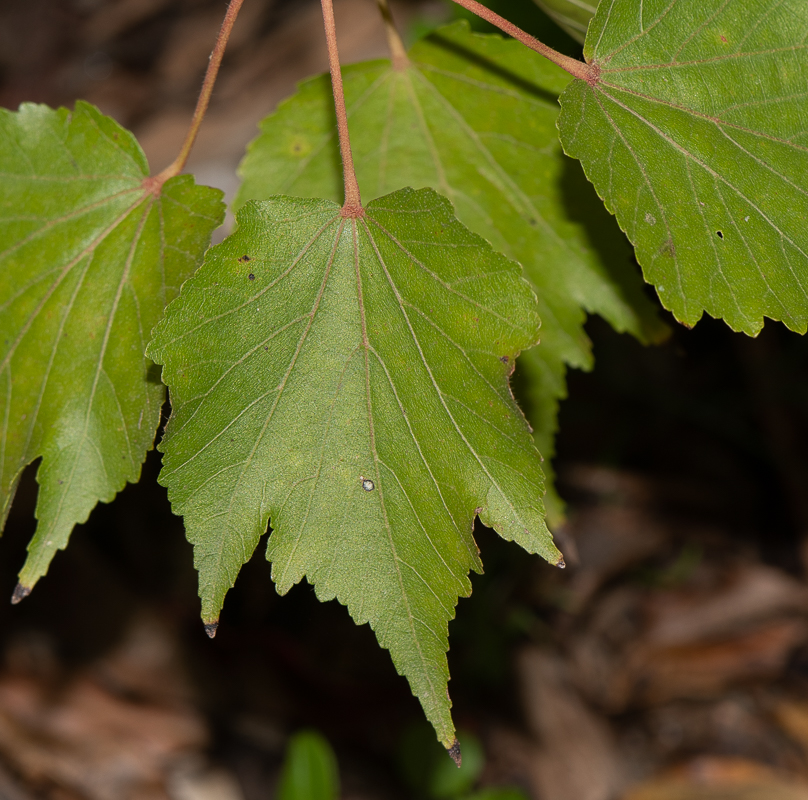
561	564
20	593
211	628
454	752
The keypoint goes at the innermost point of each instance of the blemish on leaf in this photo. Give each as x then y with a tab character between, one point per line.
561	564
244	259
211	627
719	234
20	593
504	359
454	752
650	218
724	39
367	484
300	147
668	249
251	276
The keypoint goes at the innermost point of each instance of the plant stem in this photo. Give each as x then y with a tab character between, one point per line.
353	202
578	69
214	63
398	52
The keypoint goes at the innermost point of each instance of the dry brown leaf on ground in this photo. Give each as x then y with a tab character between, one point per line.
649	646
577	758
118	730
97	745
706	669
720	779
747	594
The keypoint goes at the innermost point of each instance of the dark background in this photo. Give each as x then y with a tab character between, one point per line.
683	464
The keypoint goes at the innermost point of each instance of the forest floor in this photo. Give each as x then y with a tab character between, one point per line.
668	662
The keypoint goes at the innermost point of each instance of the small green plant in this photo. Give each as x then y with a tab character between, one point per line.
430	775
338	368
310	770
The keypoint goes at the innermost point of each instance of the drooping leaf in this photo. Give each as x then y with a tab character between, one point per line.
695	134
89	257
473	116
346	381
572	15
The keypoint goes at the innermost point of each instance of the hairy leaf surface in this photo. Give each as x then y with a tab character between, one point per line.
696	136
89	257
346	381
473	116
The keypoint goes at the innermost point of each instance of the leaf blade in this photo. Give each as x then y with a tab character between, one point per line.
92	257
357	399
475	117
687	104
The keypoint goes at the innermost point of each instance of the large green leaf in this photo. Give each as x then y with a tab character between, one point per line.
347	381
473	116
695	133
89	257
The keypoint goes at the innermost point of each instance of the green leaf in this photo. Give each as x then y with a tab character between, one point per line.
310	769
474	116
347	381
572	15
695	134
89	257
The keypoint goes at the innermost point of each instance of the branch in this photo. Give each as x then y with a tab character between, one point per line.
204	98
578	69
353	202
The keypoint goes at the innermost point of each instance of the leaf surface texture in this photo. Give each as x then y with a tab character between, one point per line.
696	137
89	259
473	116
346	381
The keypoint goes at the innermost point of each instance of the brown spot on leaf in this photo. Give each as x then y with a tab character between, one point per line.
211	627
668	249
454	752
251	276
20	593
244	259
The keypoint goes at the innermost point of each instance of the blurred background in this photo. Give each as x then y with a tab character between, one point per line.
668	662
